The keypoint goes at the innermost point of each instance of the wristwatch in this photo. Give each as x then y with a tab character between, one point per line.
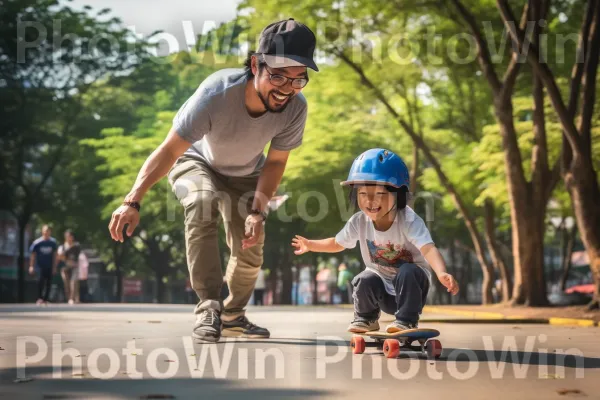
134	204
263	214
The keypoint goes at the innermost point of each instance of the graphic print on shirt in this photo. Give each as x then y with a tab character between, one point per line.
389	254
46	249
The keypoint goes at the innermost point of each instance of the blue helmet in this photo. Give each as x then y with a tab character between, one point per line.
379	166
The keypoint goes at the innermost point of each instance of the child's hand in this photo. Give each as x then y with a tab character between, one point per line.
449	282
301	245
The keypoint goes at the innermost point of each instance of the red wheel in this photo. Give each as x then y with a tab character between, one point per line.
391	348
433	348
358	344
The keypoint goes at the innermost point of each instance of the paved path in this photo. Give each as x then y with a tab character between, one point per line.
130	351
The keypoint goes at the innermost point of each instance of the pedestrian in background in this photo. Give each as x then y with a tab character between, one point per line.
83	276
43	259
344	283
69	253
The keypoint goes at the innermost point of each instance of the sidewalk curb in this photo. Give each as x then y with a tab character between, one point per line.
491	317
572	322
485	320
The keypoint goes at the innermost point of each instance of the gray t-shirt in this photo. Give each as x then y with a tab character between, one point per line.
215	120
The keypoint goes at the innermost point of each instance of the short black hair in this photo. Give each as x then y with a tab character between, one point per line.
70	232
248	63
402	194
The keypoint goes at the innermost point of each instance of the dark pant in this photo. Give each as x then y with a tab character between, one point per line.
83	291
44	283
258	297
411	285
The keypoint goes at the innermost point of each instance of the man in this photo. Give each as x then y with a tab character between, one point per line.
223	130
69	253
43	256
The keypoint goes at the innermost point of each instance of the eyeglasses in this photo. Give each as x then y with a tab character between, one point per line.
280	80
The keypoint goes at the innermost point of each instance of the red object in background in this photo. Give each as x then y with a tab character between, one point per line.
132	287
585	289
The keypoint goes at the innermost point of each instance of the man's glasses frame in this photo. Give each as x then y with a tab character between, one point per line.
281	80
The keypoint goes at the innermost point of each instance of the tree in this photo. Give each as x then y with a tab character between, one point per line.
528	198
42	81
576	117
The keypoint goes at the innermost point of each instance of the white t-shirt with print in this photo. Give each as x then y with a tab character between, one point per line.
385	252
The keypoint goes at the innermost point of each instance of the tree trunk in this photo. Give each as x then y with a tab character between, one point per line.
568	242
497	261
159	260
160	286
118	259
486	286
486	269
528	241
21	267
119	275
527	226
469	275
585	193
454	268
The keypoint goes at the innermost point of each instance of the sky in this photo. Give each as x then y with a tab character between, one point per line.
170	16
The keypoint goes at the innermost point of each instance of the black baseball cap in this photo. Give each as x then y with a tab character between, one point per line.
288	43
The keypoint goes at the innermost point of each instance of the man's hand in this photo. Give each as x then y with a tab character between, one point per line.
301	245
124	215
31	270
449	282
254	228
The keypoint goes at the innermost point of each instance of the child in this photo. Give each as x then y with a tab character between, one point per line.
394	242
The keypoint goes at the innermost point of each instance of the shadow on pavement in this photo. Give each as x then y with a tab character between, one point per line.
123	388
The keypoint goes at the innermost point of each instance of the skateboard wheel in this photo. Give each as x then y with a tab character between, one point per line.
391	348
358	344
433	348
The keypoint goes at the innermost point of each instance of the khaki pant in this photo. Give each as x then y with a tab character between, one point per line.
206	196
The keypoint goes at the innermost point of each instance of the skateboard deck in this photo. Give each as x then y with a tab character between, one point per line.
391	343
415	334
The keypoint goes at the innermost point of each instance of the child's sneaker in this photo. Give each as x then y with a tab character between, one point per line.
361	325
399	326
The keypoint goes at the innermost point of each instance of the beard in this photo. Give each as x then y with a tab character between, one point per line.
265	102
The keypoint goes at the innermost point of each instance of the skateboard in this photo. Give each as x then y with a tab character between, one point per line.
391	343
